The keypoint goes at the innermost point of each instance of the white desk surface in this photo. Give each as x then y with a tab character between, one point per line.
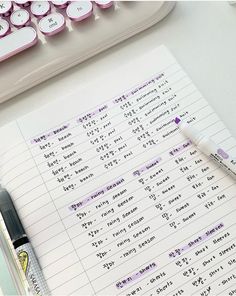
200	34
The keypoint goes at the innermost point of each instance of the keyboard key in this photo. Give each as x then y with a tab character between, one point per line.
40	8
22	3
60	3
17	42
4	28
20	18
6	8
79	10
104	4
52	24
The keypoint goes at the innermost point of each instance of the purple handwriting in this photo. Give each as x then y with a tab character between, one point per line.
91	114
196	241
147	167
134	91
49	134
95	195
181	147
136	276
99	110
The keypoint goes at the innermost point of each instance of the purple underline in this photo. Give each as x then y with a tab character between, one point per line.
49	134
135	276
196	241
181	147
134	91
104	107
95	195
147	166
91	114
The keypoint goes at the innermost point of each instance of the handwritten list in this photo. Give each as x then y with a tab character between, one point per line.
115	200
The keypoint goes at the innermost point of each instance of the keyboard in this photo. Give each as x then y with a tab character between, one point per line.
39	39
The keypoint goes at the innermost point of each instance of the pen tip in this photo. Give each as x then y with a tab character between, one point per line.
177	120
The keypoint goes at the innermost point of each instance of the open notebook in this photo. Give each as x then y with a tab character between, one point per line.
113	198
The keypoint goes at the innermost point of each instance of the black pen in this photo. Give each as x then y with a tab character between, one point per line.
23	248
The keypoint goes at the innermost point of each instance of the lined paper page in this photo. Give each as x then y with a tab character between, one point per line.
113	198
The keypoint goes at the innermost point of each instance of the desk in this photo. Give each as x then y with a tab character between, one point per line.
200	34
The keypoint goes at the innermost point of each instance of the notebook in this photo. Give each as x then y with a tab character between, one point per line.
113	198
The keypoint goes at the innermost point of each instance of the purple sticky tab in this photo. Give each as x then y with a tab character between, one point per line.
177	120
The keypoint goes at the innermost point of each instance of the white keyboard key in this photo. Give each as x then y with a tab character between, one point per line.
20	18
4	28
60	3
104	4
17	42
79	10
40	8
52	24
22	3
5	8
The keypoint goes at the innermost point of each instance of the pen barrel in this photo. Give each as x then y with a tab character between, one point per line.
32	269
218	155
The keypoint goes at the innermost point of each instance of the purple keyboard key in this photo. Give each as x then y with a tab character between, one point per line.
4	28
20	18
104	4
40	8
52	24
5	8
17	42
79	10
22	3
60	3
